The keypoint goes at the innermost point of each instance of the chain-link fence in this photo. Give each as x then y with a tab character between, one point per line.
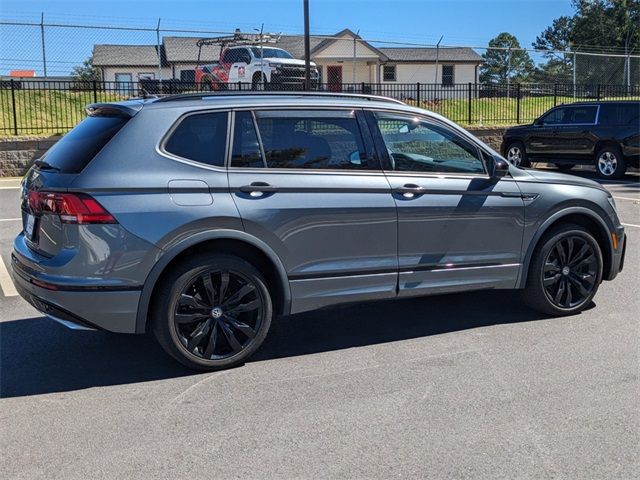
49	69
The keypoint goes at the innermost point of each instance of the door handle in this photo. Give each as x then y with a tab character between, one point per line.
258	189
410	190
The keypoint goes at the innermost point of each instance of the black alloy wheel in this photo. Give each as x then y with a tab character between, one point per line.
570	272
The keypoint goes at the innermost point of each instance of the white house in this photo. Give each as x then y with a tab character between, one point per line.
345	61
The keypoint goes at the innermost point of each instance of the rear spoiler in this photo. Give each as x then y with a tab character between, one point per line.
128	109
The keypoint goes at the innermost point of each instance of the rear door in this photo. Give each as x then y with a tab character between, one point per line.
575	138
458	229
306	183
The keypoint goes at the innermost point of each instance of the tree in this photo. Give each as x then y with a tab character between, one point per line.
598	26
86	72
505	60
553	40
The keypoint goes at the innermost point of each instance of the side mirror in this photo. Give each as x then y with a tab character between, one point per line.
538	122
354	158
499	168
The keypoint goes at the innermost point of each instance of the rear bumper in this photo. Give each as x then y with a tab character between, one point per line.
94	307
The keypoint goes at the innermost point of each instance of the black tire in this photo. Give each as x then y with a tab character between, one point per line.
610	163
548	273
565	167
205	338
518	154
259	82
205	85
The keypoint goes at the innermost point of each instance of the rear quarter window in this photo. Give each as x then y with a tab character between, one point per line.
200	137
620	114
77	148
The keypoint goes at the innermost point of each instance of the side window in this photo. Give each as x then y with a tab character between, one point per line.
415	145
554	117
619	114
244	56
448	75
246	148
230	56
580	115
322	139
201	137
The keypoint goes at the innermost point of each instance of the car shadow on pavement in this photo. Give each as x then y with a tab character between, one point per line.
38	356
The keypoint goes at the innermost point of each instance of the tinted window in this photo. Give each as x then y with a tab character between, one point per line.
76	149
389	73
270	53
554	117
580	115
415	145
231	55
620	114
246	149
312	139
201	138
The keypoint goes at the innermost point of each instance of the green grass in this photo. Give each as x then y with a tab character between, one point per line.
56	112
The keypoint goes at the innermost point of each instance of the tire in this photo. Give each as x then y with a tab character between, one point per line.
204	333
205	85
610	163
257	83
517	155
565	167
560	287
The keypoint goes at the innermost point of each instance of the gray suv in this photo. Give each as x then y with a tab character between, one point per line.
202	217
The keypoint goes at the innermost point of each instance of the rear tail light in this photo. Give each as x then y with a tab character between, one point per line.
77	208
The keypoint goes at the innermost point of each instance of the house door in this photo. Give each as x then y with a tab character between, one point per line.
124	83
334	78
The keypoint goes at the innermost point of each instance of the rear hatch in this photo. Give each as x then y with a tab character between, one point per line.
49	212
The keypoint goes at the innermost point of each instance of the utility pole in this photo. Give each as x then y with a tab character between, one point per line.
307	48
353	80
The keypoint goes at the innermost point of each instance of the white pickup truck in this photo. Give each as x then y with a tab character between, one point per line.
259	67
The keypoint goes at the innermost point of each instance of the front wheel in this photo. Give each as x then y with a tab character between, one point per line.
212	311
517	155
565	272
610	163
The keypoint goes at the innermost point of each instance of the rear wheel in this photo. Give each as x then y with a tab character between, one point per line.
610	163
565	271
212	311
516	155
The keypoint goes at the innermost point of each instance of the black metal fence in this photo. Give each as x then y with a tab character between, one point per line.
34	106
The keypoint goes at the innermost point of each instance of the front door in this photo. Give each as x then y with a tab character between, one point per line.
458	229
334	78
306	183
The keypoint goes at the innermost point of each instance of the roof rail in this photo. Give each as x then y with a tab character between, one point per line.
241	93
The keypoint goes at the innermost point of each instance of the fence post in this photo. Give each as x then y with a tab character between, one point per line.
418	93
13	103
598	92
555	94
362	87
469	106
239	85
95	92
518	103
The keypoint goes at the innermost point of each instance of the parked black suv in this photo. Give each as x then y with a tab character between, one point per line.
606	134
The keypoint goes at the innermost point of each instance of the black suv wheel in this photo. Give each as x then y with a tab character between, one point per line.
212	311
565	271
517	155
610	162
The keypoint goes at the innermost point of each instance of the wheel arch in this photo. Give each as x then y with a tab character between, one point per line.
223	241
580	216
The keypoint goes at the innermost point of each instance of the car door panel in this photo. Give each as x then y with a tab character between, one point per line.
455	231
335	231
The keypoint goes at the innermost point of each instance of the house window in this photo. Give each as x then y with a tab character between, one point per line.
448	75
146	76
389	73
188	76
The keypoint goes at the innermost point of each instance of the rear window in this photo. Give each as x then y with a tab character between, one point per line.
76	149
620	114
201	138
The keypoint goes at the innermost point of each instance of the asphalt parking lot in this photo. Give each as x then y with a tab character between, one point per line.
459	386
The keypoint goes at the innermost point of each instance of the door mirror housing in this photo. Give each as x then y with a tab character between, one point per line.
499	168
538	122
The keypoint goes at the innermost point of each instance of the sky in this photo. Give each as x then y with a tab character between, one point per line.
460	22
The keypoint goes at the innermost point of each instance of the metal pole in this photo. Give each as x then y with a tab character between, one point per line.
574	76
262	57
307	48
159	57
44	56
354	58
13	103
435	80
508	72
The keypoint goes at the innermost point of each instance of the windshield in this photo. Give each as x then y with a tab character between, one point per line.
270	53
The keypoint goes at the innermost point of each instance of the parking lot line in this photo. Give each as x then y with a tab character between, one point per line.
10	219
5	281
627	198
630	225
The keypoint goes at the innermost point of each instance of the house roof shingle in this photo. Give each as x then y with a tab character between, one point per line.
126	55
428	54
